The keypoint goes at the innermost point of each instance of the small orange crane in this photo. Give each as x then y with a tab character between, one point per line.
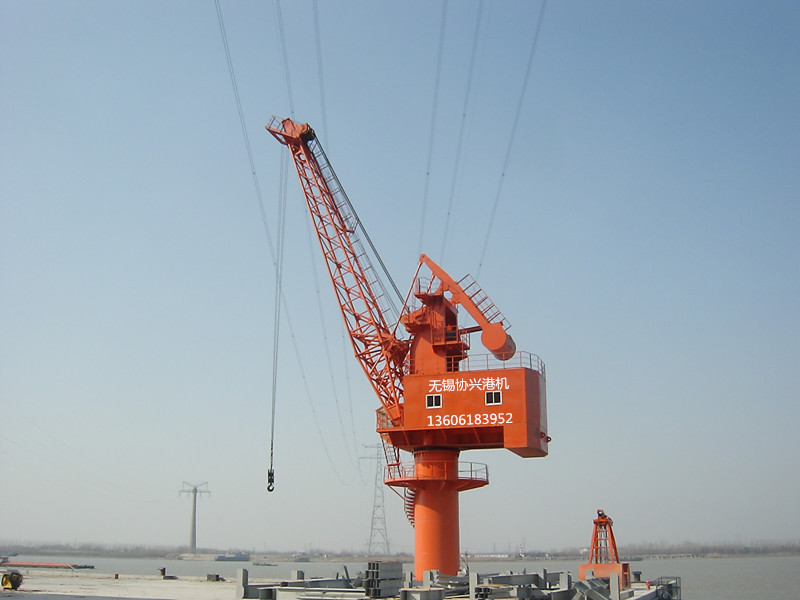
603	555
436	401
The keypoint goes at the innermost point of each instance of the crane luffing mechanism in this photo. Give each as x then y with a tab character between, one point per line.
435	400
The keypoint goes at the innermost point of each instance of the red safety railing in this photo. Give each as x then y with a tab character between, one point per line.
480	362
466	471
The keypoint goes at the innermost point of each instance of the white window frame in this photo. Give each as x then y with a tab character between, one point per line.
491	394
433	401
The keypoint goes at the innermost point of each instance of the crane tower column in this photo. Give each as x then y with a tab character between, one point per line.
436	531
434	484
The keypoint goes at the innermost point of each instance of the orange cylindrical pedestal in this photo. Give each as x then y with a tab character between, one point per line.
436	531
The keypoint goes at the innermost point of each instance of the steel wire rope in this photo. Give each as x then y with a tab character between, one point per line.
278	260
232	74
318	39
285	55
348	388
324	115
298	355
271	245
460	142
360	226
350	452
304	379
348	395
434	110
282	38
512	137
235	87
270	473
276	319
317	287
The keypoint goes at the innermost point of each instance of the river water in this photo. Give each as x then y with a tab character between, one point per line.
701	578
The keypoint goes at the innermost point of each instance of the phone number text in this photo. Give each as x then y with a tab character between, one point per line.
470	419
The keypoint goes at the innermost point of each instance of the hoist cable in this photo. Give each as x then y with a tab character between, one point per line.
283	179
511	140
275	260
287	74
276	322
298	355
433	123
277	257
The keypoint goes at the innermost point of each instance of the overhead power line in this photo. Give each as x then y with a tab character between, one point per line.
319	71
282	38
513	135
246	138
460	142
433	123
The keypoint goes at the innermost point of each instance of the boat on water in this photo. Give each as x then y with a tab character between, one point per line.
42	565
233	557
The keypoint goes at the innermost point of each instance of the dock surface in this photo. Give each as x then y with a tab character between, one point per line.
63	586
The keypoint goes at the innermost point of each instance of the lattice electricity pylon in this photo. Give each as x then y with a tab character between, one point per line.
194	489
378	536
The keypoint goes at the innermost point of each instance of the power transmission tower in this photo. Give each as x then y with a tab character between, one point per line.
194	489
378	536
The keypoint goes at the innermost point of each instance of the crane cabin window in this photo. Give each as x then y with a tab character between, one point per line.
494	398
433	401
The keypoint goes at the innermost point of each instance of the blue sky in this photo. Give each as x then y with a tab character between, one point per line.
644	245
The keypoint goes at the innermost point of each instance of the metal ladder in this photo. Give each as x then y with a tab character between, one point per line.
481	300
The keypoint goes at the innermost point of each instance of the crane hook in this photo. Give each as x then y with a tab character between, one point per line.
271	480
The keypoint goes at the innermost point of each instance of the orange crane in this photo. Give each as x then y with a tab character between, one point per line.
603	555
436	400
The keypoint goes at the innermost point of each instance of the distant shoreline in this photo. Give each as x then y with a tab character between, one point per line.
629	555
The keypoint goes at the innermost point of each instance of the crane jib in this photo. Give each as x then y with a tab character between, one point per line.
379	352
